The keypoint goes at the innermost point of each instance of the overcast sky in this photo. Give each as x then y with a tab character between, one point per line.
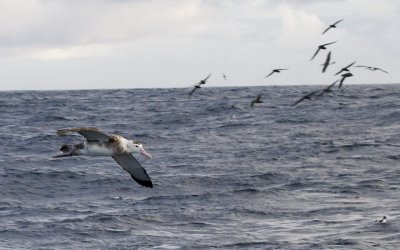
92	44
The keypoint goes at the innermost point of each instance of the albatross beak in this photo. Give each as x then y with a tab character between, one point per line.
143	152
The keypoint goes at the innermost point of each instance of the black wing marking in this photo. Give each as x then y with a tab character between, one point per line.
133	167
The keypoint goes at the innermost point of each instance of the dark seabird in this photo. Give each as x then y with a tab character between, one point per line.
383	220
198	85
306	97
345	68
116	146
344	76
372	68
257	100
332	26
275	71
327	89
224	76
327	62
322	46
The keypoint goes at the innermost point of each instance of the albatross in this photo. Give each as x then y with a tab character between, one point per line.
198	85
332	26
322	46
275	71
116	146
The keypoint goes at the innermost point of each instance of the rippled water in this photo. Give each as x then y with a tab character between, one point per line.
226	176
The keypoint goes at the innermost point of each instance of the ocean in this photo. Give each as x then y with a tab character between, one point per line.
225	175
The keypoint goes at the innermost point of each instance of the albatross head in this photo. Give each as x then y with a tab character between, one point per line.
137	147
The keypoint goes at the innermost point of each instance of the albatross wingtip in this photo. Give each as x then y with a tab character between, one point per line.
145	183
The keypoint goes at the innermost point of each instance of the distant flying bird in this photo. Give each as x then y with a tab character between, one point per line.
116	146
224	76
257	100
344	76
327	89
372	68
332	26
275	71
322	46
306	97
198	85
345	68
327	62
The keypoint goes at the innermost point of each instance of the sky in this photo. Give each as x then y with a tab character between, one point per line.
103	44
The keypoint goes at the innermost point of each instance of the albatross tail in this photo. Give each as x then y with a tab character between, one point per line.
67	150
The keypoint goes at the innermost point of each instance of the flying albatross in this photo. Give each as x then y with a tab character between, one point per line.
344	76
275	71
116	146
327	62
372	68
332	26
306	97
345	69
198	85
322	46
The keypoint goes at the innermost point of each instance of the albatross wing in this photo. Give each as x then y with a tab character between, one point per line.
133	167
94	135
90	134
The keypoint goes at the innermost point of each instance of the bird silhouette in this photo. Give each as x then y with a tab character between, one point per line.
198	85
257	100
372	68
327	89
306	97
224	76
345	68
275	71
344	76
322	46
332	26
327	62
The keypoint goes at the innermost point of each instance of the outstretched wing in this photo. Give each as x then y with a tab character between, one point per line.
192	91
338	22
316	52
382	70
91	134
326	44
133	167
205	79
94	135
326	30
270	74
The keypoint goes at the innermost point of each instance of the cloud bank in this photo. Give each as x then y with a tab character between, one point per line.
64	44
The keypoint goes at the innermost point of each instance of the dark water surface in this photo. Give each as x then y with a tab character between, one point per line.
226	176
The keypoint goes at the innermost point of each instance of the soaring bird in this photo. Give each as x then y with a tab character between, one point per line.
372	68
327	62
306	97
332	26
345	68
198	85
257	100
344	76
322	46
275	71
327	89
116	146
